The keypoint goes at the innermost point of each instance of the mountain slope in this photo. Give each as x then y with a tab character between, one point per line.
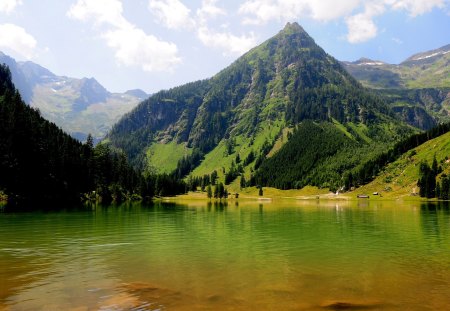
79	106
244	108
418	89
399	178
424	70
39	163
423	108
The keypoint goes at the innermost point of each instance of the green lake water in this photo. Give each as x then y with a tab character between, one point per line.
272	256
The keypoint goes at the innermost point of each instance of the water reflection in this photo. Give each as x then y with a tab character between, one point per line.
288	255
219	206
435	220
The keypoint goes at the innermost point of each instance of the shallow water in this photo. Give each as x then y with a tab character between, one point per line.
276	256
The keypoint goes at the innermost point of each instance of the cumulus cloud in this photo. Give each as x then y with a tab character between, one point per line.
132	46
361	27
358	15
100	11
416	7
263	11
172	13
8	6
17	39
224	39
209	10
229	43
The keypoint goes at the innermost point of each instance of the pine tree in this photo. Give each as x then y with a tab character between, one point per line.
243	182
209	191
445	187
216	192
221	190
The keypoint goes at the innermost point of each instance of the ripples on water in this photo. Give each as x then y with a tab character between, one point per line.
287	256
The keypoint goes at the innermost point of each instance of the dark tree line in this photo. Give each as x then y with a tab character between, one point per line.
427	179
318	155
367	171
430	187
39	163
294	165
188	163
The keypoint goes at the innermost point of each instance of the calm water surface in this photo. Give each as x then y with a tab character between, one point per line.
276	256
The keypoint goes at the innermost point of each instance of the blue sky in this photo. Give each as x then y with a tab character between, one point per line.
158	44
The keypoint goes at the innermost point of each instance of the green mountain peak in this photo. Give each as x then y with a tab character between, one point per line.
293	28
277	85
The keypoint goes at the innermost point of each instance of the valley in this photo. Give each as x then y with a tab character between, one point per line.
285	116
78	106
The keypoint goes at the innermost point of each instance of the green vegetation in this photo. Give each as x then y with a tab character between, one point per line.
164	157
400	177
39	163
422	108
237	122
417	89
317	154
426	70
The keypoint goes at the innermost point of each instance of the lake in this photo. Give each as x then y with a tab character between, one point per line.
292	255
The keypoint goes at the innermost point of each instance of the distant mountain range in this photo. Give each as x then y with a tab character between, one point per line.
79	106
423	70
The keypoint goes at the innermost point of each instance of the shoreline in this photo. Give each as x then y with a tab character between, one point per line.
298	196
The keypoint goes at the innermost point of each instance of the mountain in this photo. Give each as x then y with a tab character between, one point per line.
79	106
272	99
39	163
417	89
375	74
423	70
428	58
400	177
423	108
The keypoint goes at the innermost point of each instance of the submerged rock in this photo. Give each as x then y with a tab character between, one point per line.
344	305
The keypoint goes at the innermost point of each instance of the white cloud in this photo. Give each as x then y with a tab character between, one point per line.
132	46
172	13
209	10
223	40
100	11
17	39
416	7
358	15
135	48
360	28
263	11
7	6
226	41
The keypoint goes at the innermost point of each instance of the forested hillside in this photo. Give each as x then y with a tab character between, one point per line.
39	163
286	81
418	165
